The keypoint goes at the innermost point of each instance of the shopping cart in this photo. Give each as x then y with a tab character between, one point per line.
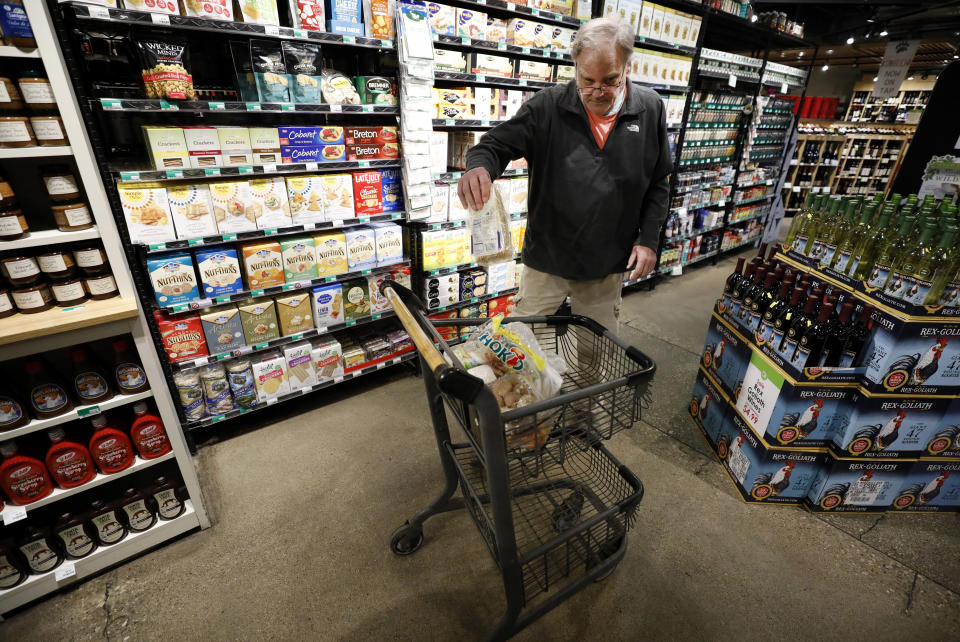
550	501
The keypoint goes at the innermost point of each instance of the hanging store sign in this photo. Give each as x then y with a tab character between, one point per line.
893	69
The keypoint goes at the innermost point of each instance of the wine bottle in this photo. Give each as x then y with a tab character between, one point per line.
910	279
784	317
765	332
853	352
731	281
824	224
866	248
762	301
806	226
810	343
845	248
945	289
740	288
754	290
880	271
798	327
837	233
795	224
837	341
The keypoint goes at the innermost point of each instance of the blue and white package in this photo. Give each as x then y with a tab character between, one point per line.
930	486
219	271
174	280
391	190
857	486
890	427
725	355
345	28
708	408
312	153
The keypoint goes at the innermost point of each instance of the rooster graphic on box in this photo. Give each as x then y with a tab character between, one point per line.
921	367
778	481
702	412
718	354
836	495
924	493
805	422
882	435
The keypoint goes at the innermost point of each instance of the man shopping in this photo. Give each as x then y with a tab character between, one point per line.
599	179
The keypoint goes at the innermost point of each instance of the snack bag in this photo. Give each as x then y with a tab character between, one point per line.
304	65
165	68
270	72
490	240
337	88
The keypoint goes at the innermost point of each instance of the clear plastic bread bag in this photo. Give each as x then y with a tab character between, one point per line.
490	240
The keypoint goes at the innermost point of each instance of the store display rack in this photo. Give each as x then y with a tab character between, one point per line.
493	81
532	53
232	107
80	412
149	175
911	96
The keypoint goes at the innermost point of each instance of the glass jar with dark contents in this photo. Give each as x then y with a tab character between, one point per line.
20	271
57	265
13	224
69	292
92	260
33	299
101	286
72	217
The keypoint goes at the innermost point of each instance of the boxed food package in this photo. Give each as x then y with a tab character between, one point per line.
147	213
312	153
182	336
337	196
269	203
432	247
378	134
168	147
532	70
501	305
391	190
450	60
192	211
203	146
454	112
235	146
214	9
219	270
629	10
301	372
303	66
259	321
306	199
441	290
442	18
389	240
609	8
562	39
261	12
646	20
496	30
222	329
401	275
376	90
265	143
457	251
361	248
367	193
308	136
563	7
348	11
930	486
456	211
328	359
294	313
378	302
520	32
379	19
299	259
448	332
328	305
656	27
438	152
308	14
471	24
231	207
270	377
441	196
356	299
174	281
331	254
263	263
490	65
542	35
372	151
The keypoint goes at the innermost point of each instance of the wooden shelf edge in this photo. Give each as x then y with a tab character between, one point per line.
23	327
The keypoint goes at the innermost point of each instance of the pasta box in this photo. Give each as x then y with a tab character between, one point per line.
299	259
391	190
219	270
263	263
331	254
294	313
173	278
367	195
222	328
259	320
182	336
328	304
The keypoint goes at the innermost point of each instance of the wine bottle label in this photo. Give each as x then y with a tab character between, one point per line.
827	250
878	276
754	321
843	261
800	243
799	357
918	292
951	294
898	285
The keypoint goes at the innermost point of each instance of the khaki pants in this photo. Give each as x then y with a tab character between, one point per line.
541	294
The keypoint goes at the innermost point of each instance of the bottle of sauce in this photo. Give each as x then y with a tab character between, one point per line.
40	550
74	535
90	382
48	398
169	502
127	372
12	412
108	528
12	570
69	463
110	447
148	434
23	479
138	510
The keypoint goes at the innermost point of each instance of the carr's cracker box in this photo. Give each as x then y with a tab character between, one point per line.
173	279
147	213
269	203
890	426
301	373
930	486
235	148
327	359
331	254
232	207
708	408
306	199
391	191
192	211
766	476
270	377
182	336
725	356
847	486
442	18
501	305
203	146
336	192
389	242
265	143
219	270
378	302
263	263
356	299
450	60
259	321
294	313
361	248
367	193
490	65
299	259
328	305
222	328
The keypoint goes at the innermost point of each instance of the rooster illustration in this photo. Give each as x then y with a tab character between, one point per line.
882	435
837	494
921	493
912	292
805	422
895	287
718	354
778	481
702	412
872	282
949	296
921	367
932	489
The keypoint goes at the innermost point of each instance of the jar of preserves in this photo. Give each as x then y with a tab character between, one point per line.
10	99
60	182
13	224
67	293
72	217
101	286
15	131
7	197
37	93
21	271
57	265
33	299
92	260
6	305
48	131
15	25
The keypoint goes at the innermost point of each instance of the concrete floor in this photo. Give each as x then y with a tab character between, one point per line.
303	510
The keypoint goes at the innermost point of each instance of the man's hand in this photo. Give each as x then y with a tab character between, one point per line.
642	260
473	188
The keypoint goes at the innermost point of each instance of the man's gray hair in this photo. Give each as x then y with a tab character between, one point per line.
601	32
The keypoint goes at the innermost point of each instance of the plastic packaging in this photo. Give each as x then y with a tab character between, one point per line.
216	390
191	394
240	376
490	240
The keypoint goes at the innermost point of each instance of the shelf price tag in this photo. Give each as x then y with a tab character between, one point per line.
211	171
253	106
245	170
511	6
312	167
676	270
14	514
376	316
523	82
287	107
159	19
157	246
107	103
67	570
366	108
216	106
732	80
89	411
783	88
363	163
270	232
100	13
271	30
299	33
449	122
502	46
336	109
351	323
129	176
481	78
269	169
174	173
229	237
525	50
164	105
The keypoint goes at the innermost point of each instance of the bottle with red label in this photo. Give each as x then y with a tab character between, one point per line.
47	396
128	374
110	447
108	528
90	382
169	502
23	479
40	550
75	536
137	509
148	433
12	568
69	463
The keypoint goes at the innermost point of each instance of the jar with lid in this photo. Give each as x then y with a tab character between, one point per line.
101	286
13	224
48	131
37	92
6	307
57	265
69	292
60	182
21	271
92	260
15	131
10	99
72	217
33	299
15	25
7	197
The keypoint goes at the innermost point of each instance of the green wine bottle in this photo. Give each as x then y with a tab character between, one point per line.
910	279
805	211
887	256
839	233
943	267
823	226
866	249
946	288
805	227
845	249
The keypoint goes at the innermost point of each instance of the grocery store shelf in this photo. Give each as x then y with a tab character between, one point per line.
233	107
150	175
696	163
50	237
509	8
693	234
749	218
34	152
9	51
702	257
768	182
663	45
493	81
450	270
79	412
11	513
727	142
740	244
452	176
717	106
754	199
667	89
698	186
716	73
37	586
153	248
712	124
23	327
537	53
444	123
473	301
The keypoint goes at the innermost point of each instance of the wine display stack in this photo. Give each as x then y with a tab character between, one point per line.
835	392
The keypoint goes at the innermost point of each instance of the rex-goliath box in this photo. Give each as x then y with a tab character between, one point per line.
725	356
856	486
708	408
890	427
930	486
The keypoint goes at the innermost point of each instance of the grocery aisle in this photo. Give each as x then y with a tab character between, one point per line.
303	510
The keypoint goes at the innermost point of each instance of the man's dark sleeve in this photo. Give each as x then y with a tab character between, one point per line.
653	209
506	142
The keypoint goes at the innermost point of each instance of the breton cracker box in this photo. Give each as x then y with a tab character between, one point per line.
270	377
259	321
389	242
182	336
930	486
167	146
147	213
231	207
367	193
219	270
301	373
356	299
173	279
192	211
708	407
471	24
891	426
213	9
265	143
361	249
328	359
520	32
299	259
269	203
222	328
443	19
294	312
263	263
336	192
331	254
391	190
360	135
306	199
328	305
235	148
203	146
372	151
857	486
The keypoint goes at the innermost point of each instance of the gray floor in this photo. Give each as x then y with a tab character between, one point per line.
303	509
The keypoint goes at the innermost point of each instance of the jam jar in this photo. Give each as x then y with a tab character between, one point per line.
7	197
15	131
21	271
67	293
48	131
92	260
57	265
13	224
37	93
33	299
60	182
71	217
6	305
101	286
10	99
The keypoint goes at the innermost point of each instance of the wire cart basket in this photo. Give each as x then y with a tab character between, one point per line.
552	504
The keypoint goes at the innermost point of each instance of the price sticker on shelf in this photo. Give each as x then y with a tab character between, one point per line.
481	78
363	163
351	323
449	122
523	82
309	226
253	106
271	30
174	173
464	41
216	106
336	109
100	13
338	380
270	169
229	237
796	189
337	222
13	514
245	170
349	40
270	231
165	106
732	80
300	33
366	108
288	107
159	19
484	123
380	365
525	50
66	570
511	6
783	88
676	270
502	46
312	167
721	203
256	293
109	104
89	411
376	316
202	361
388	44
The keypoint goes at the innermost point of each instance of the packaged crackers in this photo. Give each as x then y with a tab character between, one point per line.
331	254
308	14
182	336
222	328
378	16
356	299
235	147
203	146
442	19
231	207
270	377
167	146
263	263
301	372
261	12
367	193
389	241
328	359
242	386
173	279
147	212
216	389
328	305
214	9
391	190
259	321
294	313
219	270
306	199
337	194
361	249
378	302
192	211
265	144
299	259
269	203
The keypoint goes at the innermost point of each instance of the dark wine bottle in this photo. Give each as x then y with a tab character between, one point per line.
784	318
811	344
798	327
837	341
853	352
731	282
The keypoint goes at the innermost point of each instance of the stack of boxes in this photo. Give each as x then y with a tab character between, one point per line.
478	103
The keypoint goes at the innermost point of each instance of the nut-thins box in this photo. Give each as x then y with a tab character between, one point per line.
389	239
173	279
263	263
331	254
299	259
361	249
219	270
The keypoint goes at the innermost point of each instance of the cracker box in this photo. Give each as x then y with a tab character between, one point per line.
491	65
450	60
401	275
299	259
222	328
432	249
203	146
182	336
520	32
379	19
645	25
562	39
356	299
337	196
367	193
501	305
265	143
232	207
263	263
454	112
361	248
456	211
328	305
270	377
219	270
844	486
259	321
147	213
307	136
448	332
306	199
174	281
290	154
376	90
564	73
441	197
235	147
533	70
328	359
331	254
471	24
708	408
269	203
442	18
378	302
391	191
439	142
930	486
389	241
349	11
192	211
294	313
361	135
300	369
372	151
167	146
213	9
261	12
542	35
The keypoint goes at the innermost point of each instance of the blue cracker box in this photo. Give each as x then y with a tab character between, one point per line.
348	11
852	486
391	190
312	153
930	486
890	426
219	269
725	355
345	28
766	476
708	407
310	136
222	329
174	280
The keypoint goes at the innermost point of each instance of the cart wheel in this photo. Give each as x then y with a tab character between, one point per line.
406	540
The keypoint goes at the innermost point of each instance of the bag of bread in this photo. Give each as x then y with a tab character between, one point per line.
490	240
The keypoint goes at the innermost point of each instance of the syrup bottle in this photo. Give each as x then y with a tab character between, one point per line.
69	463
40	550
128	374
12	568
48	398
110	447
108	527
23	479
169	502
148	433
138	510
75	536
90	383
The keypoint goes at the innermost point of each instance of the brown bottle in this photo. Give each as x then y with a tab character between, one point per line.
75	536
138	510
13	414
90	382
47	396
169	502
128	374
40	550
12	569
107	524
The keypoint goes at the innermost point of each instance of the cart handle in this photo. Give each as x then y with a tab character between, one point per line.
450	380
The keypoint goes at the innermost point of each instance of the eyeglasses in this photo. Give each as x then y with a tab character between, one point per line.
593	91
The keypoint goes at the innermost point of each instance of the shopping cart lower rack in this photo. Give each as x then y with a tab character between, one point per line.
551	502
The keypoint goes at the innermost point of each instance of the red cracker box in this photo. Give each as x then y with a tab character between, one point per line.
182	336
501	305
364	135
448	332
367	195
373	151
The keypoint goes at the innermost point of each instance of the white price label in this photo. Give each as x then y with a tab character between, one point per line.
312	167
732	80
100	13
65	571
682	211
309	226
337	222
737	462
380	365
336	109
202	361
271	30
721	203
787	185
14	514
271	401
677	270
794	161
796	189
159	19
338	380
269	169
511	6
783	88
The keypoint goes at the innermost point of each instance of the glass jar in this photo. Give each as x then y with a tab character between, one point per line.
33	299
15	131
67	293
10	99
48	131
72	217
60	182
92	260
21	271
7	197
37	93
15	25
57	265
101	286
6	304
13	224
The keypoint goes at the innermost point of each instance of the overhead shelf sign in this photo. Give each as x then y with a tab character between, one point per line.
893	69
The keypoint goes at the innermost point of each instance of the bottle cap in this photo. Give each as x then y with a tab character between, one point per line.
98	421
8	448
34	366
56	434
139	408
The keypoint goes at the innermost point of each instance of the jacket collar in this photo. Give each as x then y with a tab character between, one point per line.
633	105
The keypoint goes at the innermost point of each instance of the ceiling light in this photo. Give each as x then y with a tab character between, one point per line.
955	56
753	18
829	51
876	78
850	40
800	55
825	67
884	33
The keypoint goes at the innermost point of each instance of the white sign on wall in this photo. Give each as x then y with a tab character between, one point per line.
896	62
